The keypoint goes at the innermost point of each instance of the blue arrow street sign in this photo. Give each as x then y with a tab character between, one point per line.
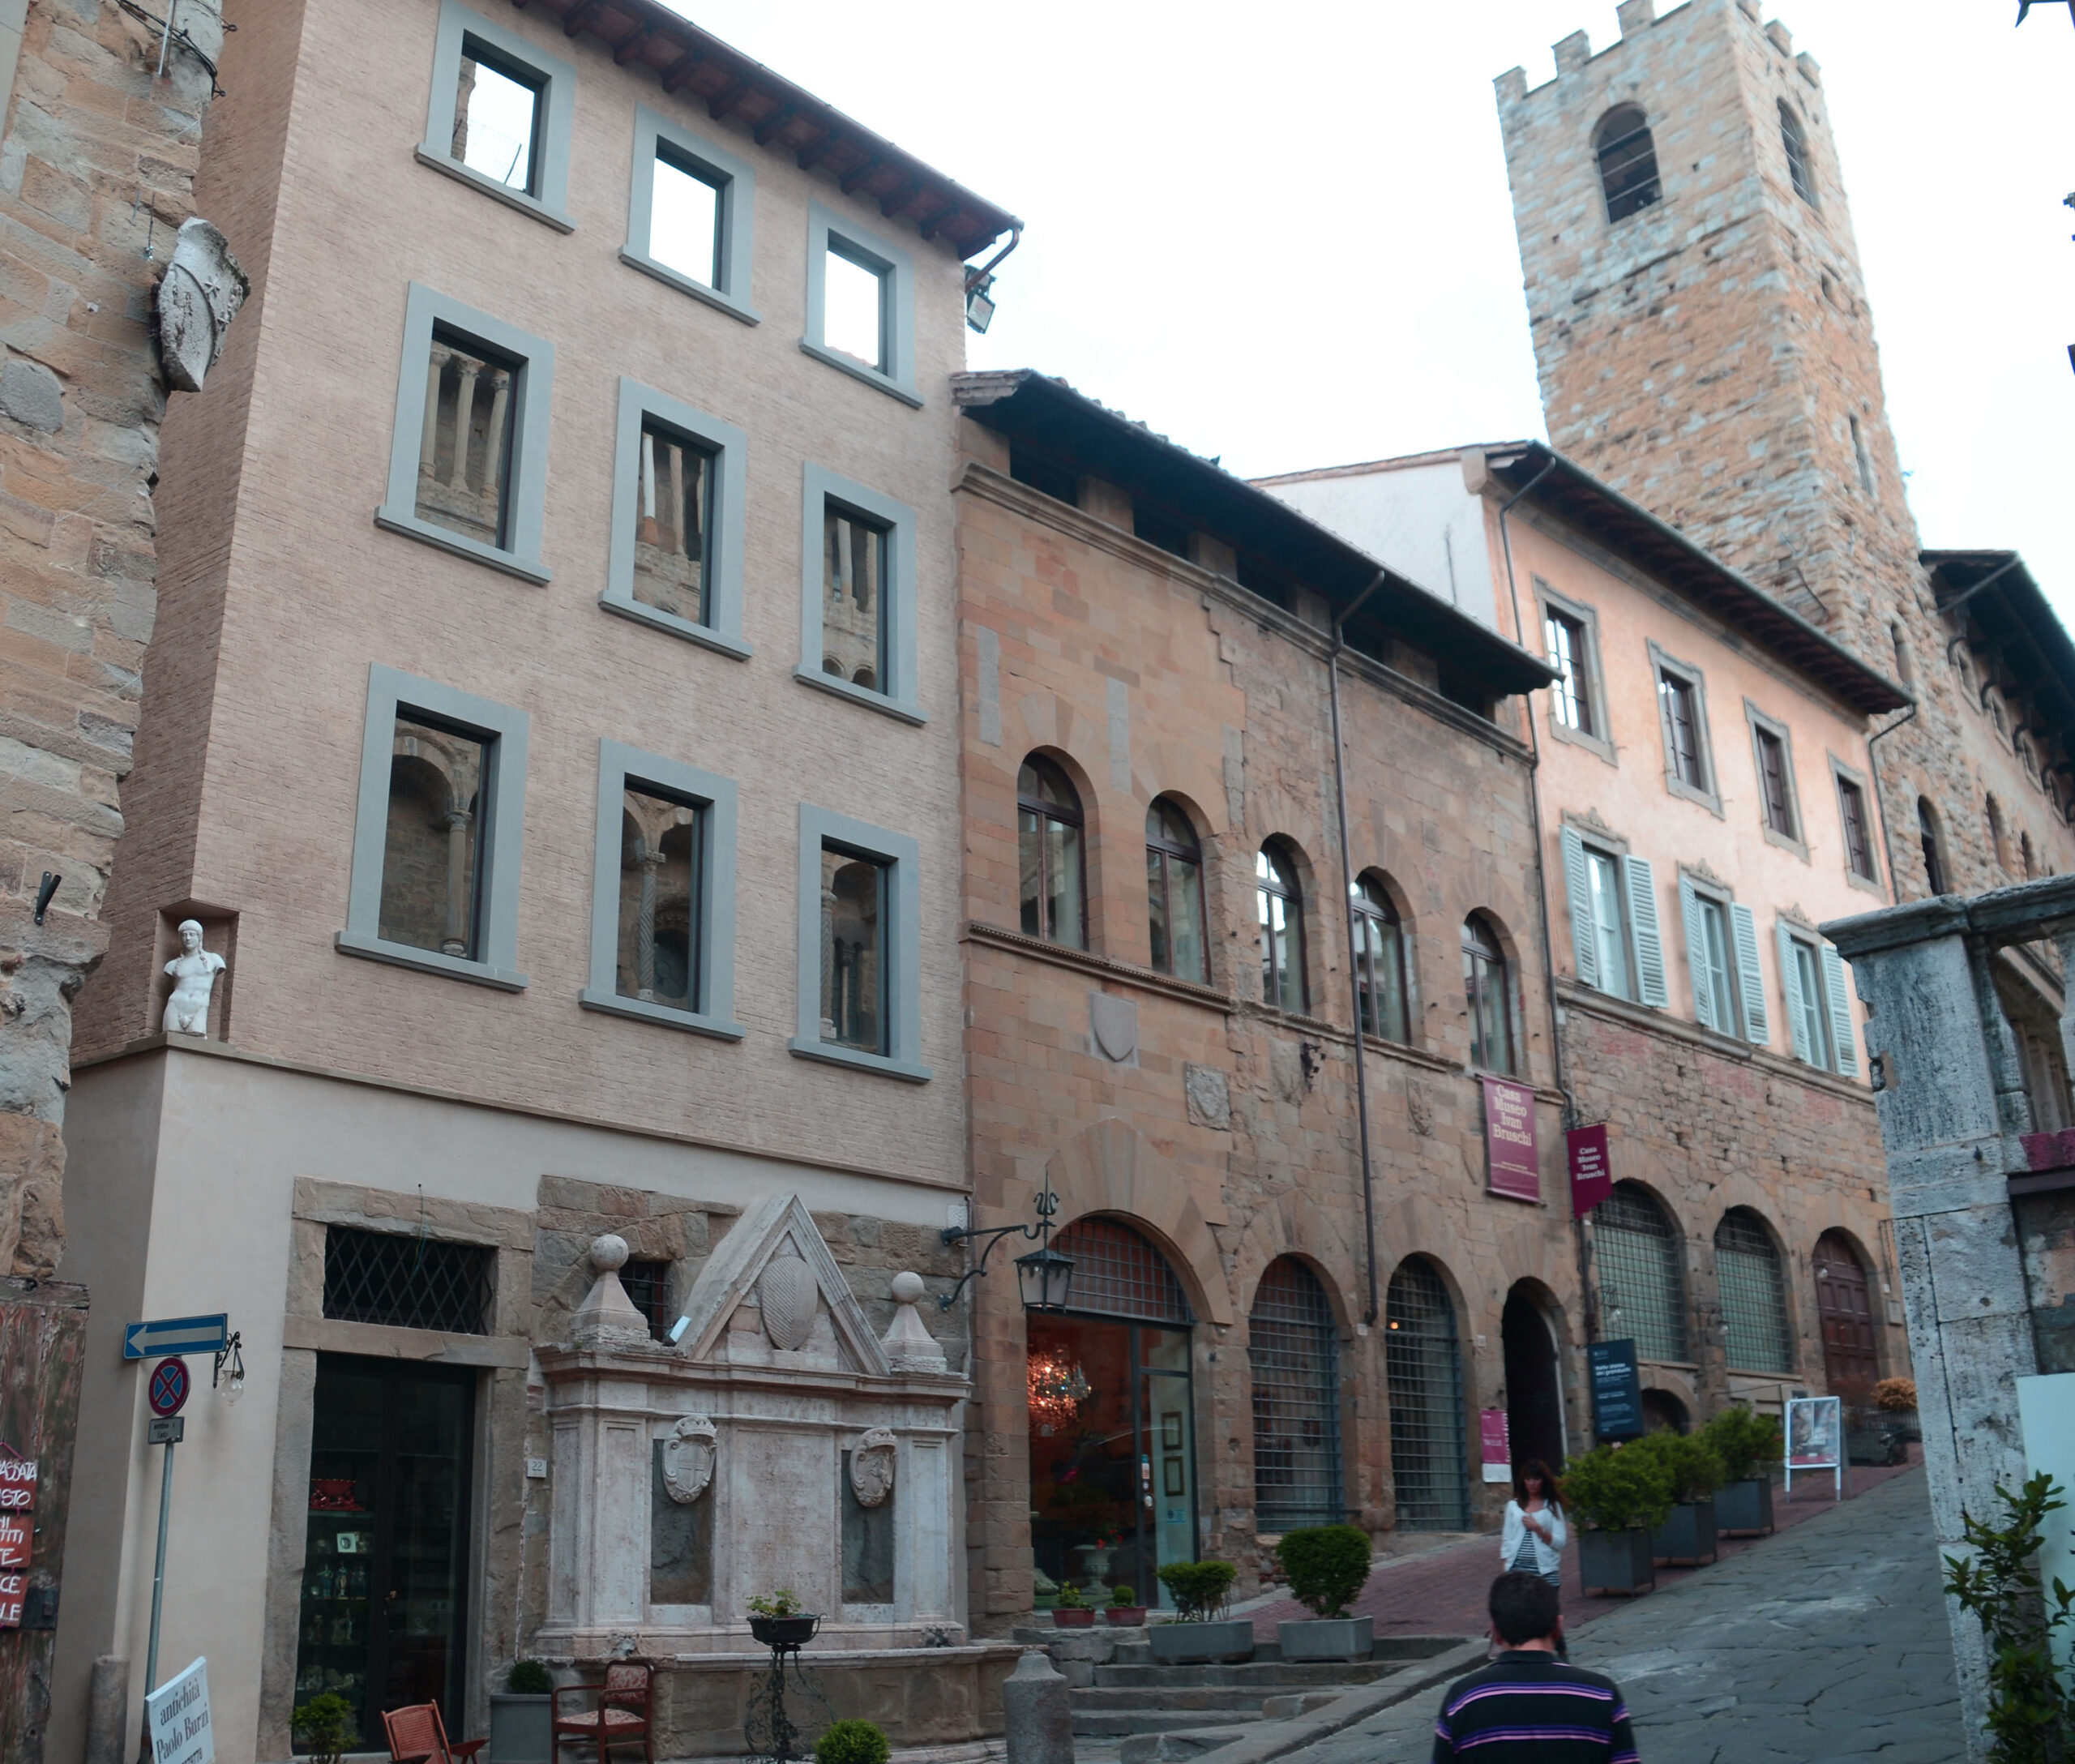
176	1335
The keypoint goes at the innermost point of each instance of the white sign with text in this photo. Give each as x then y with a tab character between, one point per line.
176	1715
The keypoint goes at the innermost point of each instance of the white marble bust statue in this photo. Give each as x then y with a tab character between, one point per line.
194	970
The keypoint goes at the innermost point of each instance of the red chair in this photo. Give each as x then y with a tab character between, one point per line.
418	1736
622	1715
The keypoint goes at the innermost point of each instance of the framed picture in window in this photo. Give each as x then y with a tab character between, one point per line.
1170	1431
1173	1475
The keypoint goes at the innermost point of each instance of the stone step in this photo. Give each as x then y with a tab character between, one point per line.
1269	1674
1115	1723
1110	1697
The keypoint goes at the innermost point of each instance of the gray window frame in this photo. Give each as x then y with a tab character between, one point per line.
620	767
898	314
1748	1018
1797	841
1590	681
723	591
820	486
1833	1008
1662	662
902	959
558	112
424	308
1841	774
501	822
736	183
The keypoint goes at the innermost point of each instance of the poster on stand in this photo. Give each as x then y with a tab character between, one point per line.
1617	1390
1816	1439
1498	1448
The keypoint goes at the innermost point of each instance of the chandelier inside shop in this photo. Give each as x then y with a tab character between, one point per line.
1058	1389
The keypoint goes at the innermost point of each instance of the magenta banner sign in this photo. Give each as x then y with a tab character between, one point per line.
1509	1153
1592	1177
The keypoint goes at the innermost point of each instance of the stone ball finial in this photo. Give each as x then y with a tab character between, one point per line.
907	1288
609	1253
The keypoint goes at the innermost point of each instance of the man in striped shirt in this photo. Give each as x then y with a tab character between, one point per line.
1528	1706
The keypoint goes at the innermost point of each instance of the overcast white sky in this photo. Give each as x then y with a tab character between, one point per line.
1282	234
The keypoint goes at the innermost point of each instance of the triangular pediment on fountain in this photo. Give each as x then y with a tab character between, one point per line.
733	1277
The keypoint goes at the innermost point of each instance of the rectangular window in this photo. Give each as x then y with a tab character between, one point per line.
1614	939
690	213
1570	698
861	304
1809	1026
854	592
1609	922
853	312
674	534
500	115
860	945
407	1280
1682	729
1771	778
496	119
857	593
1819	1012
1858	844
663	894
852	955
436	832
684	221
647	1285
467	457
1714	928
1722	958
1046	477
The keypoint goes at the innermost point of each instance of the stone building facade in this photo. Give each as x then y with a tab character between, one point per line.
488	737
1268	1325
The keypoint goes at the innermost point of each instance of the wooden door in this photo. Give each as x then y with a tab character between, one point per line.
1846	1310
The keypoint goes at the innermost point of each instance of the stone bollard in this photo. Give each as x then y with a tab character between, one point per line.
1036	1721
108	1710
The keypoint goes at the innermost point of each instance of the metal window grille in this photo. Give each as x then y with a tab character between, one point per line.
1117	1273
1753	1296
1293	1349
648	1285
1628	163
1637	1254
1796	144
1423	1364
406	1280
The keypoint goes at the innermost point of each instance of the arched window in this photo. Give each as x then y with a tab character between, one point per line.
1117	1273
1627	162
1280	906
1927	828
1293	1350
1379	961
1422	1363
1173	893
1486	984
1636	1248
1753	1296
1999	835
1799	166
1844	1309
1048	850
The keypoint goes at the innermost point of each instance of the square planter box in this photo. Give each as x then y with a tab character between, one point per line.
521	1729
1198	1644
1327	1639
1744	1509
1617	1561
1688	1537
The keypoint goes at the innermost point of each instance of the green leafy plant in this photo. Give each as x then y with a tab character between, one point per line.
2031	1716
324	1725
1618	1488
1070	1598
528	1678
1694	1464
785	1602
1123	1598
853	1742
1198	1589
1747	1443
1326	1566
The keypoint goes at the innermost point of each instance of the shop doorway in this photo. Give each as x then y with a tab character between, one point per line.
385	1564
1844	1307
1534	1396
1112	1430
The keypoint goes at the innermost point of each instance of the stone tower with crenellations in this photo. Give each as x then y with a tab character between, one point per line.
1705	344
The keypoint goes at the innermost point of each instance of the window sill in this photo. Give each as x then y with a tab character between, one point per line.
857	369
394	520
1679	787
686	284
831	1054
1577	738
503	193
349	942
1785	841
704	636
862	694
692	1022
1871	884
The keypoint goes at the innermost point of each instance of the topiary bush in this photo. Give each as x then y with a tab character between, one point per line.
853	1742
324	1725
1326	1566
1123	1598
1617	1489
528	1678
1748	1442
1198	1589
1897	1396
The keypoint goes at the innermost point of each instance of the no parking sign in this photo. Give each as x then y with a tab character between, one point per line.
168	1387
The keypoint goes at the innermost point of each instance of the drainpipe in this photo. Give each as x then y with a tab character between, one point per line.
1354	964
1879	799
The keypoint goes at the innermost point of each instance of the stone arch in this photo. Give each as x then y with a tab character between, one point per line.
1176	769
1292	1225
1111	1167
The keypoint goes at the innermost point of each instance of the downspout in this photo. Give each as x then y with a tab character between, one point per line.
1353	965
1881	800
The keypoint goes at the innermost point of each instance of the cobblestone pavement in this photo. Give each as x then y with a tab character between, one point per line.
1826	1644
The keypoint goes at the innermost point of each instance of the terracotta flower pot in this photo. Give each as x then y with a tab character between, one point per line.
1068	1618
1125	1617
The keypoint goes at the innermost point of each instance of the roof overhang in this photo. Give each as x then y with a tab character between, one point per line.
2034	653
1050	416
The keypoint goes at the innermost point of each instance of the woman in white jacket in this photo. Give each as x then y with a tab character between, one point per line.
1533	1539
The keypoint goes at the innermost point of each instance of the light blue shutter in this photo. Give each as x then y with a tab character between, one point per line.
1640	883
1750	977
1797	1006
1585	940
1840	1004
1696	954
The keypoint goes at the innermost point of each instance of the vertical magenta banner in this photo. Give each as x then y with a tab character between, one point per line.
1498	1448
1509	1149
1592	1177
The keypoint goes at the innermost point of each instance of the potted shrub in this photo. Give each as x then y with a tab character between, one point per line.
1685	1535
1198	1632
1749	1445
324	1725
853	1742
1326	1565
777	1620
1615	1495
522	1716
1072	1610
1125	1612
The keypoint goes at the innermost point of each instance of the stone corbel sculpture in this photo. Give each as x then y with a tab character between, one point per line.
198	296
194	970
689	1455
871	1466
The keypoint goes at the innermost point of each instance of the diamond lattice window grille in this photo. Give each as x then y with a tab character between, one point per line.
1118	1272
406	1280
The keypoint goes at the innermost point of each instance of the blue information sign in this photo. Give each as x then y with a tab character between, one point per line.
176	1335
1617	1390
